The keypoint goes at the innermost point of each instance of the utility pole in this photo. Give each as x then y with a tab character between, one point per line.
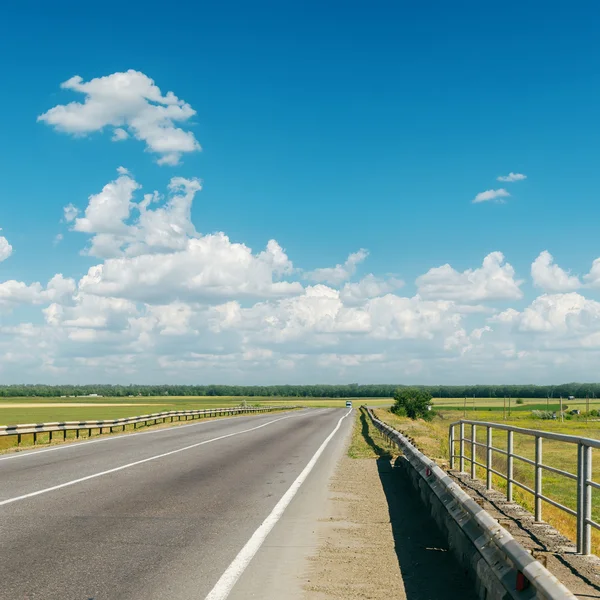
505	408
587	408
465	408
509	413
561	411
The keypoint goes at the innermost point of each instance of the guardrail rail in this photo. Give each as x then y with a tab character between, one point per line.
583	477
111	424
495	535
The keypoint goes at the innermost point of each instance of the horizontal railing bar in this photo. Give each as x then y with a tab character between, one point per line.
593	484
559	505
560	437
499	450
503	475
559	471
524	459
593	523
523	486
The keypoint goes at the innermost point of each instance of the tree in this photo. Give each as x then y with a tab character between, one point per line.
413	402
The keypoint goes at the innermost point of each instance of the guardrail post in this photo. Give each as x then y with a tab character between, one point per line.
462	447
18	439
34	437
451	445
473	451
509	466
488	459
64	435
49	436
538	478
587	501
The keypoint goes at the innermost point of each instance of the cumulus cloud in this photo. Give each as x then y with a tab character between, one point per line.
495	195
153	252
494	280
14	293
550	277
129	103
512	177
5	248
205	268
369	286
340	273
70	213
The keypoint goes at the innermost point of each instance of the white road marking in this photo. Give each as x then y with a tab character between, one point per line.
138	462
227	581
112	438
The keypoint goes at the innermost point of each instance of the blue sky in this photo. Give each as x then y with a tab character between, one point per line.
329	127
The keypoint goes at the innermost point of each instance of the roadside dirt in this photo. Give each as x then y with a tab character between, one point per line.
378	542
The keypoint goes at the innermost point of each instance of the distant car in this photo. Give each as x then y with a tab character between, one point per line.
348	404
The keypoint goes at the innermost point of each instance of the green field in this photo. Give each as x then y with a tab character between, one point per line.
43	410
528	404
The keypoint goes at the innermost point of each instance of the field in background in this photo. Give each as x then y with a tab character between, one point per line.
528	404
15	411
432	439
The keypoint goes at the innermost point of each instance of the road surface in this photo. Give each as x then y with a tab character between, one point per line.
161	514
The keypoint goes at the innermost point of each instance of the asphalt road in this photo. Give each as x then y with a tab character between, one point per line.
159	514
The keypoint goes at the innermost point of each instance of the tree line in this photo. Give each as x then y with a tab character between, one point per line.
353	390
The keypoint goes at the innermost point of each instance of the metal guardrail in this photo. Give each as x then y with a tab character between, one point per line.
583	477
111	424
441	482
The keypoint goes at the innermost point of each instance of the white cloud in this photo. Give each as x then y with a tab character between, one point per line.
5	248
205	268
512	177
592	279
70	213
494	280
119	135
58	238
368	287
550	277
14	293
488	195
131	104
340	273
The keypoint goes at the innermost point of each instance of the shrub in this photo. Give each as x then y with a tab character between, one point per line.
414	402
519	400
594	412
541	414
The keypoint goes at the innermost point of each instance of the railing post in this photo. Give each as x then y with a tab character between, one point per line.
587	501
509	466
473	451
538	478
488	461
462	447
451	445
580	496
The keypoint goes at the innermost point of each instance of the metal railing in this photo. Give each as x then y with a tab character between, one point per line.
111	424
583	477
451	494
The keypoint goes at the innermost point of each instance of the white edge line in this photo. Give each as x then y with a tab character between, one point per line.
137	462
227	581
121	436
